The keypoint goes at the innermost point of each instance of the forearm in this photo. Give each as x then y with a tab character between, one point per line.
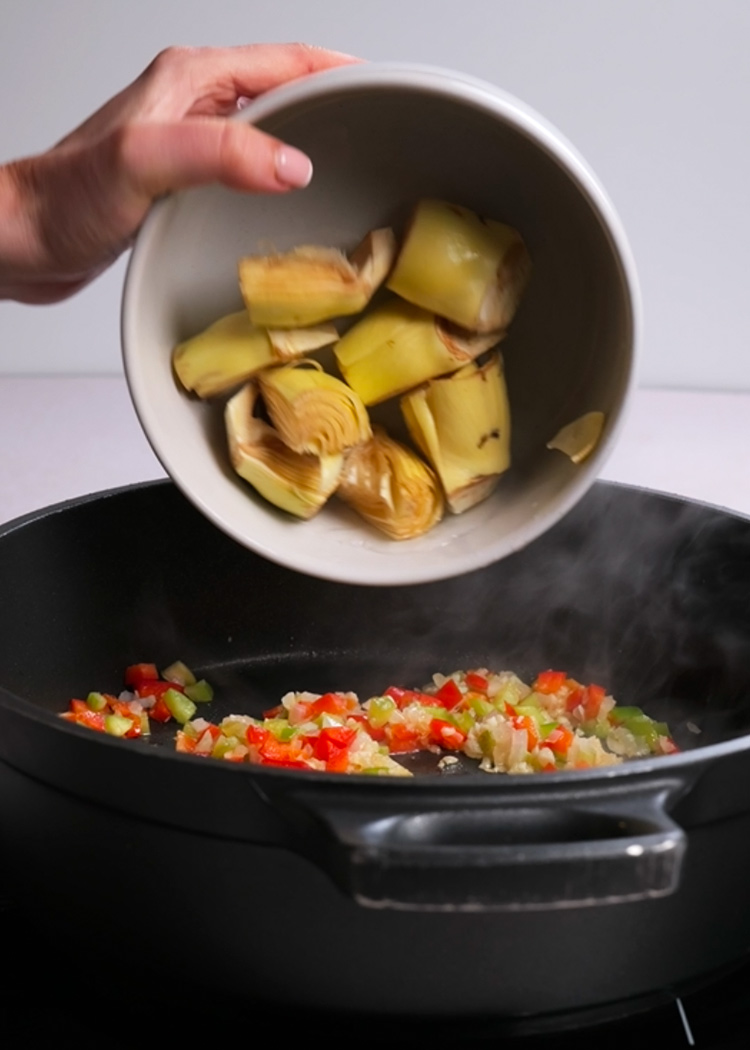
28	274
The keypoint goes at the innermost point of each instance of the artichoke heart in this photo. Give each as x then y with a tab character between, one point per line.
313	412
579	438
397	346
390	487
299	484
461	266
311	283
232	349
462	424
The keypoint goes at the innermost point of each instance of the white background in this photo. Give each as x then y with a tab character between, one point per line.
654	93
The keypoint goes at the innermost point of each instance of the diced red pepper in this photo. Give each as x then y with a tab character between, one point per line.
404	697
449	694
477	682
339	762
329	742
275	712
332	704
559	740
207	739
256	735
88	718
549	682
446	735
149	687
401	739
273	752
527	722
160	712
575	699
140	672
589	699
594	695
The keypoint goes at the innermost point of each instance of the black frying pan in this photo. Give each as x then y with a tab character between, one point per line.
466	893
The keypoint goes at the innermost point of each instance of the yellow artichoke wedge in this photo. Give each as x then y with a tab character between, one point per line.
299	484
397	346
461	266
390	487
462	424
311	284
579	438
313	411
233	349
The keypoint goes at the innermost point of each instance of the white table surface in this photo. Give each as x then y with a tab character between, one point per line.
65	437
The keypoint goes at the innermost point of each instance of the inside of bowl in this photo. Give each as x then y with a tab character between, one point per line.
376	152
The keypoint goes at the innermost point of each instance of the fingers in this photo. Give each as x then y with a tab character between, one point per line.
218	76
206	81
154	159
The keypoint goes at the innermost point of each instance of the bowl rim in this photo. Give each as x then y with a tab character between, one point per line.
487	98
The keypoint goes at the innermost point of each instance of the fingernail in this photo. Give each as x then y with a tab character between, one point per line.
293	167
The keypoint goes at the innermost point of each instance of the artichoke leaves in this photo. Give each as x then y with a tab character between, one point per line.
461	423
391	488
295	482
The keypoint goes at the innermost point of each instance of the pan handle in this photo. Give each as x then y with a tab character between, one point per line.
531	853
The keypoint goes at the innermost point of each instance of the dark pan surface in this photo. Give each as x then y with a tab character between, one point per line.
645	594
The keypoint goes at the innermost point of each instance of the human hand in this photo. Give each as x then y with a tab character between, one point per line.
67	214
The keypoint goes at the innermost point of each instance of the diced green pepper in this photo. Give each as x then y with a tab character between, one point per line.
379	710
463	720
545	728
223	745
511	693
486	742
640	725
180	707
178	672
200	692
190	731
281	728
236	729
117	725
96	701
480	707
624	714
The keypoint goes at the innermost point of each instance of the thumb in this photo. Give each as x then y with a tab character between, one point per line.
156	158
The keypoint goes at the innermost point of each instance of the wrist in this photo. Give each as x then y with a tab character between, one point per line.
14	233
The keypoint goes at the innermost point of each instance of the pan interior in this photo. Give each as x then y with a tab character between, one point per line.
646	595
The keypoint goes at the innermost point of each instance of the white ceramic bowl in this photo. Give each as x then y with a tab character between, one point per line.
382	136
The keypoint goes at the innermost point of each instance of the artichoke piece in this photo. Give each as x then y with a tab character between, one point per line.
579	438
463	267
462	424
313	412
390	486
232	349
312	284
398	345
300	484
